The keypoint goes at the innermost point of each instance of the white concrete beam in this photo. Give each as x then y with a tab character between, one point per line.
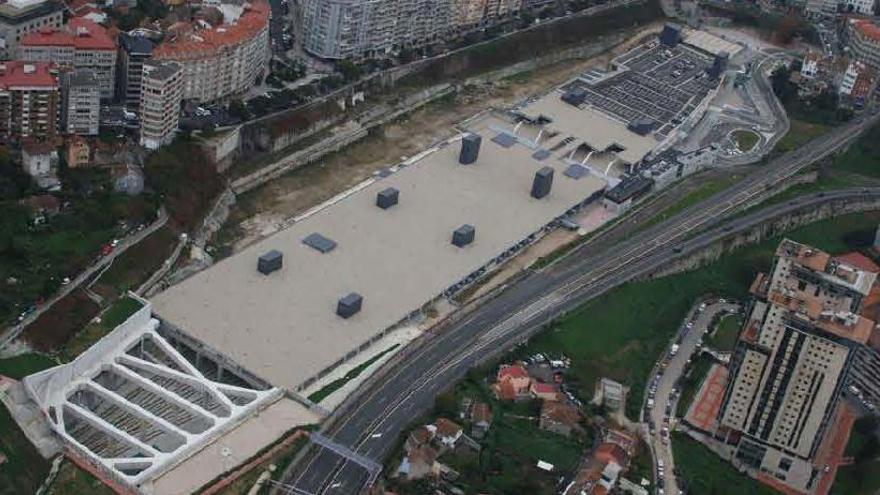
195	381
165	394
101	424
137	410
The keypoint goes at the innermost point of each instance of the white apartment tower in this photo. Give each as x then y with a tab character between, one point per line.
162	91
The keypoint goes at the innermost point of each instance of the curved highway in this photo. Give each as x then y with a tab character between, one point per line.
371	422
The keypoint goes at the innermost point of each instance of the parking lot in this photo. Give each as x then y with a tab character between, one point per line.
656	82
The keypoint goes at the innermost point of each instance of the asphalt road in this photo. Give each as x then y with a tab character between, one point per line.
12	332
372	425
663	412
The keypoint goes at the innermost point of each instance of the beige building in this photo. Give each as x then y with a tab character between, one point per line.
225	61
864	42
81	44
80	103
20	17
160	102
792	360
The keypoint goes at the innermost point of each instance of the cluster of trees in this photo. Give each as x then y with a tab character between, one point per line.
823	108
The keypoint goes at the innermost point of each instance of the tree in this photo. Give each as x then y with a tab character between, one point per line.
237	108
349	70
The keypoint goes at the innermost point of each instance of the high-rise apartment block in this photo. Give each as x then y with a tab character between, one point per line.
133	51
225	61
792	360
29	100
160	102
81	44
80	103
339	29
20	17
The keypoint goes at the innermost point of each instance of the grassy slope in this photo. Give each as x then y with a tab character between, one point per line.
621	333
706	473
726	332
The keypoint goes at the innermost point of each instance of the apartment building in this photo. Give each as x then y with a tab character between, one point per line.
792	359
474	13
864	42
81	44
222	62
29	100
80	103
134	49
20	17
340	29
162	90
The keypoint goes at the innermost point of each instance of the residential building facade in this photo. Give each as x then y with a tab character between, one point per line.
864	42
29	100
134	49
20	17
80	103
340	29
792	358
81	44
222	62
160	102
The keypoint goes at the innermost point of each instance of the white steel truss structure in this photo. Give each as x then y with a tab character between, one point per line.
135	406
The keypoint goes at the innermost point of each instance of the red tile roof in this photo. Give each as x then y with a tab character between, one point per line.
207	42
80	33
504	390
447	428
15	74
610	452
860	261
867	28
512	371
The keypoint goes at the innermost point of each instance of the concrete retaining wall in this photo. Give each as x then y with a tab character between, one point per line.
765	231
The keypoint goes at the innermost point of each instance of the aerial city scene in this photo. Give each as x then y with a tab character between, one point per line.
439	247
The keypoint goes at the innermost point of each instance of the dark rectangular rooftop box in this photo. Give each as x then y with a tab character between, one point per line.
349	305
270	261
387	198
542	183
470	148
719	64
671	34
319	242
463	235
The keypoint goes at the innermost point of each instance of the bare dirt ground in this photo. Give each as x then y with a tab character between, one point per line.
260	212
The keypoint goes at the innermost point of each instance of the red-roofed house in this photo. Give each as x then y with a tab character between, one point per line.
29	101
447	432
559	417
544	391
610	452
81	44
512	382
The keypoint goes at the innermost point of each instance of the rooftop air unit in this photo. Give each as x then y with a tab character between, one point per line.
542	182
349	305
269	262
470	148
387	198
641	126
671	35
463	235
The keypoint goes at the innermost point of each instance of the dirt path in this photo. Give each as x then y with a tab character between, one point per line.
260	212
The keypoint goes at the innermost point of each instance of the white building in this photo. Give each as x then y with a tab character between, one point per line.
80	103
160	102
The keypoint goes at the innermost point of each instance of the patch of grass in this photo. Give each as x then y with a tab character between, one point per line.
24	469
799	134
857	479
642	465
863	157
726	331
704	472
112	317
72	480
704	192
23	365
745	140
134	266
620	334
691	381
335	385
